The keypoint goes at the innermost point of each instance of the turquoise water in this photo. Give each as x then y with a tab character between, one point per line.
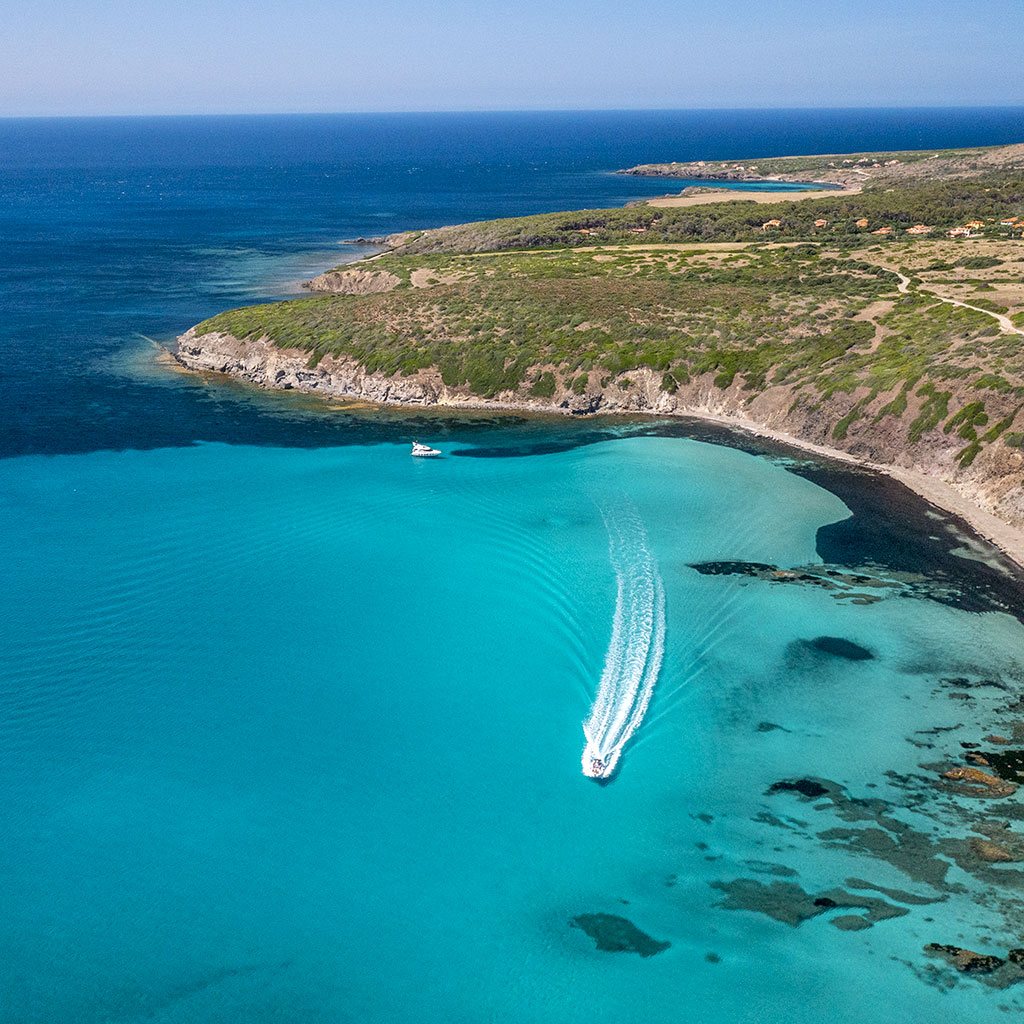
296	734
291	726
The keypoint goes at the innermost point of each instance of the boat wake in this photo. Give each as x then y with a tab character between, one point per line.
637	645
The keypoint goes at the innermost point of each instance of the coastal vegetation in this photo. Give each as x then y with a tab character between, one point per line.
940	205
800	314
499	318
888	166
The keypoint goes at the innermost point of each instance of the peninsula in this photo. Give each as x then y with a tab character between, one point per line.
880	320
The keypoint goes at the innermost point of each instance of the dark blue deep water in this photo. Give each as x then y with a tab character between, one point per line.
112	228
291	724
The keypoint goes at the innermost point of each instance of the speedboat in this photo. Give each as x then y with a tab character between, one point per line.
598	764
424	451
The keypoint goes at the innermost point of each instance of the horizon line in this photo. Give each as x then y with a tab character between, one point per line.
499	110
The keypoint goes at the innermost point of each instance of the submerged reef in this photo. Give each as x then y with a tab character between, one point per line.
952	827
614	934
789	903
996	971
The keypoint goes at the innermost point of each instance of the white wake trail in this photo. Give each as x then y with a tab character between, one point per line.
636	648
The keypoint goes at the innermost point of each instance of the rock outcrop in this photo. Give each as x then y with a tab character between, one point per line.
991	482
352	281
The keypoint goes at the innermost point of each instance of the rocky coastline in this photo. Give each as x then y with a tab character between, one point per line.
986	493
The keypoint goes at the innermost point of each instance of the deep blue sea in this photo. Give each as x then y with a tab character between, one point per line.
291	724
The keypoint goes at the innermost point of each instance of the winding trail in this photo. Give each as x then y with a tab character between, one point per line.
1005	323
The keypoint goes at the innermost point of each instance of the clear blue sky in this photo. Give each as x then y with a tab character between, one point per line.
216	56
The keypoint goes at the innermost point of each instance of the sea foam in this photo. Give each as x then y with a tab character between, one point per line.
635	651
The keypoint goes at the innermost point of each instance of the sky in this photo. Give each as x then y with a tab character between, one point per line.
223	56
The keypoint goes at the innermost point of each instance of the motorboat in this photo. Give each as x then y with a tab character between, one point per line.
599	764
424	451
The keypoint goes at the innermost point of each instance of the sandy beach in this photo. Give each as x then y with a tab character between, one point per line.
1008	539
723	195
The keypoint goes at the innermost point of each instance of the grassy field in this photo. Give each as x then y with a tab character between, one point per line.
819	320
937	204
854	327
823	164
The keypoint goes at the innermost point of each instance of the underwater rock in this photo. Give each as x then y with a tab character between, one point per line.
843	584
965	959
783	901
805	787
613	934
759	570
989	851
900	895
850	923
993	971
789	903
839	648
916	854
981	783
963	683
765	867
1007	764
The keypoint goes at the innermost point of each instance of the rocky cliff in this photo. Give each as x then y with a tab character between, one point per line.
992	481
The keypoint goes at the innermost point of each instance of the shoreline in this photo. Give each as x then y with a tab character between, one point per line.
1008	540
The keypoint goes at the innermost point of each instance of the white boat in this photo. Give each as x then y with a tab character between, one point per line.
597	765
424	451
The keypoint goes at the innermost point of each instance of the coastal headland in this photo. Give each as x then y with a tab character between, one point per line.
881	320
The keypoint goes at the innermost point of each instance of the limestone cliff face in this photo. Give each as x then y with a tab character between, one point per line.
262	363
992	481
352	281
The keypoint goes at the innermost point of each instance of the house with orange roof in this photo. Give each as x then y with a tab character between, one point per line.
863	222
882	231
821	223
773	223
918	229
964	232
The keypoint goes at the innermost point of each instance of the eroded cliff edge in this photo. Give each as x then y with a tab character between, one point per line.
992	481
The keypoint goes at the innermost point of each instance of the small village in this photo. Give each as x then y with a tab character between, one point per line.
1008	227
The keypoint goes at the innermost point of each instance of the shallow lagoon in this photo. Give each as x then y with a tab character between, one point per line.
296	735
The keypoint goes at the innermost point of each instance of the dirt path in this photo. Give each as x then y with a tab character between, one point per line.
1005	323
